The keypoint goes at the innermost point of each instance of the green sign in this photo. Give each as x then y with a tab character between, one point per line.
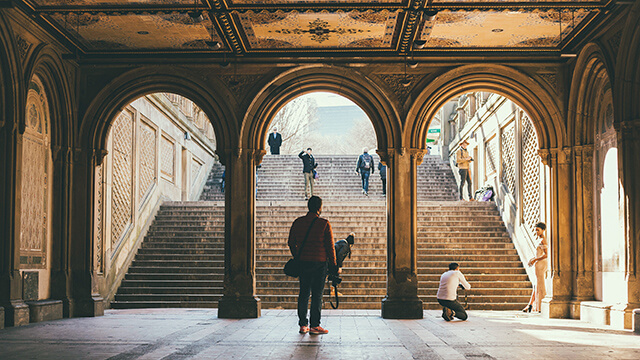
433	131
430	140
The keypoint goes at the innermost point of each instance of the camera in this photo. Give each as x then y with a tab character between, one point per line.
335	279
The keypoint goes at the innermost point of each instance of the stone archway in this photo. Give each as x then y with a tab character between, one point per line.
544	108
101	112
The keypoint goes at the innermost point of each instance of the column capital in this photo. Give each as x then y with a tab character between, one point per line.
258	155
98	156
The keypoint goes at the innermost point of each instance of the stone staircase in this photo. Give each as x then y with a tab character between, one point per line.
180	263
165	274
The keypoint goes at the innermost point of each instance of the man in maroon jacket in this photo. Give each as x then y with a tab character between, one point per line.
316	255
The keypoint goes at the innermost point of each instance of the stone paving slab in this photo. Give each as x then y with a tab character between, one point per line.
353	334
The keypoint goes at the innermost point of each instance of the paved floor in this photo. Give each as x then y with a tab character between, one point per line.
199	334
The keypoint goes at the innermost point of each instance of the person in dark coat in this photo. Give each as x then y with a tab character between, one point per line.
275	140
382	169
308	165
343	249
365	168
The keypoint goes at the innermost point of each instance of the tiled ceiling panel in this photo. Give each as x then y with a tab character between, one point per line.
272	30
314	2
127	32
112	2
506	29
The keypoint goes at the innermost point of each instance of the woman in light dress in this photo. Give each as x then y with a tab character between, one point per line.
540	262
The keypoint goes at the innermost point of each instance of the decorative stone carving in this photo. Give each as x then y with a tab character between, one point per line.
508	150
35	187
551	79
394	83
122	199
23	47
147	160
99	226
530	175
167	158
240	84
491	162
614	42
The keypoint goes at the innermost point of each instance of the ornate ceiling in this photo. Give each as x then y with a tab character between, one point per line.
330	27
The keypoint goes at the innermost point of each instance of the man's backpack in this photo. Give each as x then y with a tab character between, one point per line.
366	161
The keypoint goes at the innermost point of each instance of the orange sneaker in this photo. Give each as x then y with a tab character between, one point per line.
318	330
304	329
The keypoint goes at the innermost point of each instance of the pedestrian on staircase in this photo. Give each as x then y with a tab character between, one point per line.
382	169
312	237
275	140
462	161
448	293
308	167
343	249
365	168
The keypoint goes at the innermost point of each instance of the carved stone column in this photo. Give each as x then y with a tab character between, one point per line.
560	229
583	251
16	312
629	174
402	300
239	300
83	301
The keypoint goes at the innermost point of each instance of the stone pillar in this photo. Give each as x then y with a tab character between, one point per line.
16	312
583	250
559	234
629	172
402	300
473	105
83	301
239	300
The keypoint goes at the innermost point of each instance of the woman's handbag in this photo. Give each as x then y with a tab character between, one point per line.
293	267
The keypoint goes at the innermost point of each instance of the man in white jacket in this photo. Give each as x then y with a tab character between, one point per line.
447	293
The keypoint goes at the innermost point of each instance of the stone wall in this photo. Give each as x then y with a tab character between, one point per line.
504	145
160	147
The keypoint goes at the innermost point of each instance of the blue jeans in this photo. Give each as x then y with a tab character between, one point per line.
312	278
365	179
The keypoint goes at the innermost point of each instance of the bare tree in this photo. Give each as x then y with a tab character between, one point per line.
295	121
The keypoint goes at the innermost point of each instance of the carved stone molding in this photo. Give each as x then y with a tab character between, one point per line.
258	155
545	156
99	155
23	47
417	155
551	79
240	84
614	42
394	83
384	156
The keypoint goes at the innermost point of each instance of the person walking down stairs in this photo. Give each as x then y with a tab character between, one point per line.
365	168
308	167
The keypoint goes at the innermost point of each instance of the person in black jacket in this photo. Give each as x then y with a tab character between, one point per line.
275	140
343	249
382	169
308	167
365	168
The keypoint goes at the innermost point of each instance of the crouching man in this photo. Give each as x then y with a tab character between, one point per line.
448	294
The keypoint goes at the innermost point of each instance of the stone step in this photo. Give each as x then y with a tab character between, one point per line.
473	269
188	257
165	269
175	276
170	283
139	263
126	290
164	304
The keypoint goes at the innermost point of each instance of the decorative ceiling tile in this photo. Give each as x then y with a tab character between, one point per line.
111	2
514	29
513	1
128	32
314	2
369	29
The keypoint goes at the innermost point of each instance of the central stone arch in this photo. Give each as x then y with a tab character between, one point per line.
303	80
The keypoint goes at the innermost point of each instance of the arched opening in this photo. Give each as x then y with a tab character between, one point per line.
611	272
337	130
485	219
156	244
36	194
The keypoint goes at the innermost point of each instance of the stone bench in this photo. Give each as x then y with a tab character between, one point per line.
44	310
